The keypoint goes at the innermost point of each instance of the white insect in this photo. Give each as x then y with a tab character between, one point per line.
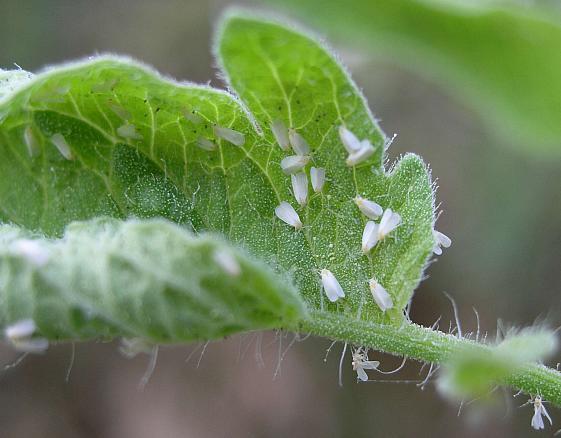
360	363
294	163
60	142
31	250
368	208
389	222
31	142
280	132
358	150
230	135
120	111
317	175
128	130
369	236
286	213
374	232
299	144
227	263
131	347
192	117
380	295
349	140
331	286
300	188
539	412
206	144
20	335
441	240
362	154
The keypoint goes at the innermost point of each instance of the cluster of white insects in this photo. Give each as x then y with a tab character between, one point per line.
358	152
21	334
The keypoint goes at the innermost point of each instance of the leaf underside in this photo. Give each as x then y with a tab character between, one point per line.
147	279
133	152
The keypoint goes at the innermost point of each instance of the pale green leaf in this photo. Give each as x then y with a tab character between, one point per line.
127	145
148	279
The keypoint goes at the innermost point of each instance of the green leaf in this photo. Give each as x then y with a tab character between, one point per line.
284	74
503	61
127	145
149	279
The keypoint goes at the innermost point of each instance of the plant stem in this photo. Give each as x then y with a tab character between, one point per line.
424	344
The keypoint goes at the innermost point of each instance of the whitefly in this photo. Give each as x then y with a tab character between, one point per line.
380	295
369	236
286	213
294	163
368	208
63	147
441	240
331	286
317	175
280	132
300	188
230	135
299	144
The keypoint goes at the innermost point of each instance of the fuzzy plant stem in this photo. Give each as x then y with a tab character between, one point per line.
427	345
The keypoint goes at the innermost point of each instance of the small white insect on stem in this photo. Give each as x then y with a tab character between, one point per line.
286	213
331	286
20	335
539	412
361	363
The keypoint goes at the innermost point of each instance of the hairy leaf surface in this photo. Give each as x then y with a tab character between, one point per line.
130	149
148	279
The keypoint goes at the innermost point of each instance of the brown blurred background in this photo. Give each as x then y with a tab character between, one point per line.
501	207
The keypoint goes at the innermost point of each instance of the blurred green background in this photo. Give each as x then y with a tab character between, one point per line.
501	206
